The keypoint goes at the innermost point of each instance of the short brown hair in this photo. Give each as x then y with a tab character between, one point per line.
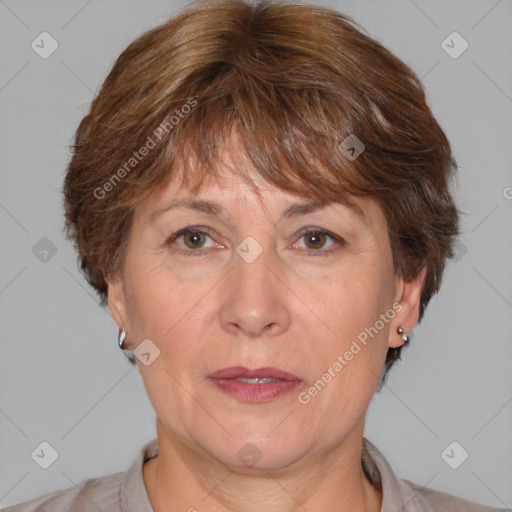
295	80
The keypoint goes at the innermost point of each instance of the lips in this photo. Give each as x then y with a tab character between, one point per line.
255	386
236	372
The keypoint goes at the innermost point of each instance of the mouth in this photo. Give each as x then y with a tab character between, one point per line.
257	385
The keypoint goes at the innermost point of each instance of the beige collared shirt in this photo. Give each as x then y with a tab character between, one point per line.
125	492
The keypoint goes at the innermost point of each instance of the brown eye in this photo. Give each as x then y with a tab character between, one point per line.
315	239
318	242
191	241
194	239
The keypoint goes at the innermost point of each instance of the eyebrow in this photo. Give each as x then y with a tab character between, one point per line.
294	210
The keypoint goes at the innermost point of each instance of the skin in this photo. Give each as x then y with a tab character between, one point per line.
284	310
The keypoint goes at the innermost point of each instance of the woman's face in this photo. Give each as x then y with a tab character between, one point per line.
249	289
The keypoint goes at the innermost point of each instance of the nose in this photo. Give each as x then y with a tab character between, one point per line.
255	299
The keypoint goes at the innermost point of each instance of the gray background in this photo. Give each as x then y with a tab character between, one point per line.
62	377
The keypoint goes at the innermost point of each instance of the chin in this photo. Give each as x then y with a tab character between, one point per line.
259	447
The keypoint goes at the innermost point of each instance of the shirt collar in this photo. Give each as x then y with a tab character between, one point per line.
133	491
393	497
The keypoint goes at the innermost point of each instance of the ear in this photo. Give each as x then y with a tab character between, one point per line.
407	298
116	299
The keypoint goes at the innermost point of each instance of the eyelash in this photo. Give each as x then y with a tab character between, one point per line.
314	253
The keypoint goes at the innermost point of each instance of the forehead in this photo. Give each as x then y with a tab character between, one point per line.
232	185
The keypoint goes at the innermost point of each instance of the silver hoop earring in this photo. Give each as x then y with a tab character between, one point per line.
122	336
405	338
130	354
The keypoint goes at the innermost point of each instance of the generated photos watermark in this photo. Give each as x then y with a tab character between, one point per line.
319	385
165	127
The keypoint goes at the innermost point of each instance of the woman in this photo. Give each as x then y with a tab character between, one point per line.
260	194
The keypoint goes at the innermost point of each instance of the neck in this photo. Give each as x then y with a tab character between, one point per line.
182	478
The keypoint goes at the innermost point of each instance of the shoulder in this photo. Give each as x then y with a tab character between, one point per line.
421	499
406	496
89	495
111	493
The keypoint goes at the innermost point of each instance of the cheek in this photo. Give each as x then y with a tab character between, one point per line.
353	309
155	299
173	313
357	298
